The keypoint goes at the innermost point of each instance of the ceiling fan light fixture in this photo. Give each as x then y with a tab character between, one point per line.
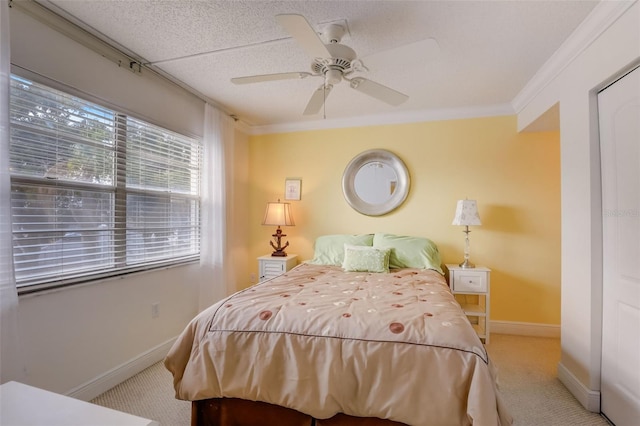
333	77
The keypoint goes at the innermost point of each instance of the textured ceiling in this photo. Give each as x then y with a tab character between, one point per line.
488	50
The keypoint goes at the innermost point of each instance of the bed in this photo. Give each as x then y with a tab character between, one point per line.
367	333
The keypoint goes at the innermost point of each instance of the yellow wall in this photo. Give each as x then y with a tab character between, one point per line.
514	177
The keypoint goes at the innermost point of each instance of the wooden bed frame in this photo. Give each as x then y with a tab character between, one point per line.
240	412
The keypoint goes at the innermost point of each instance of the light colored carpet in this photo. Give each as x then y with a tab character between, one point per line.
149	394
526	375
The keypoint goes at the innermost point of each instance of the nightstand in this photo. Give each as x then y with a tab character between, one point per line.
471	288
272	266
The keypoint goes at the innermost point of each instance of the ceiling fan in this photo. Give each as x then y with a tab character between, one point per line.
335	62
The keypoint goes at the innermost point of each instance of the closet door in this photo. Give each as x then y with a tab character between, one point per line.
619	116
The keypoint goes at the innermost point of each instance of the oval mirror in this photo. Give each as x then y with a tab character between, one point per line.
375	182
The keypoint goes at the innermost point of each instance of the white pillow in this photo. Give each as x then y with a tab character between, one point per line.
365	259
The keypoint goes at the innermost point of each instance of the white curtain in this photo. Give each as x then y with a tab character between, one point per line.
217	279
10	364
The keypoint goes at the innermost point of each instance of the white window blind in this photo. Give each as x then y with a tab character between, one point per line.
94	192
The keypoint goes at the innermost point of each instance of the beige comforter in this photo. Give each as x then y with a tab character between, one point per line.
322	341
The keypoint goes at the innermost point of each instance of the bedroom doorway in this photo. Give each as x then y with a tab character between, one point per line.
619	119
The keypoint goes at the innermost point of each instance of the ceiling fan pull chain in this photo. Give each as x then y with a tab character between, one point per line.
324	104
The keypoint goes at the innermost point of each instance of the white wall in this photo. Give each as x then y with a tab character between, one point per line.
614	51
83	340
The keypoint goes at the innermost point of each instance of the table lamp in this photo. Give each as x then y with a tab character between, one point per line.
467	215
278	214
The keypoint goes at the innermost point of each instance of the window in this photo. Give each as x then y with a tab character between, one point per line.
95	192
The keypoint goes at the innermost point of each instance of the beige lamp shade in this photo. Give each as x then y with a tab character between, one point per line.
278	214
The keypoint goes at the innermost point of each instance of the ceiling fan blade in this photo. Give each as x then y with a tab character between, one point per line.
378	91
300	29
317	99
409	55
270	77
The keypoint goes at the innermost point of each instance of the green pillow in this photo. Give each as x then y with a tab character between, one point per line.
365	259
409	252
329	249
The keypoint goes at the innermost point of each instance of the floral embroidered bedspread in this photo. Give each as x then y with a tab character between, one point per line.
323	341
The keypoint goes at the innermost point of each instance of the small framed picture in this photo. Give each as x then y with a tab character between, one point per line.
292	189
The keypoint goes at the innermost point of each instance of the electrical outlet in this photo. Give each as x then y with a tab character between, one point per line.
155	310
252	278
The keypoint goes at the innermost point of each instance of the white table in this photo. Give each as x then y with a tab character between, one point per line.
23	405
473	282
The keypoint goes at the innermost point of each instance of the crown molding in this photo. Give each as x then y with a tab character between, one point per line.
597	22
242	126
403	117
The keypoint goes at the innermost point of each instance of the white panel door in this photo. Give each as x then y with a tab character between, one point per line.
619	115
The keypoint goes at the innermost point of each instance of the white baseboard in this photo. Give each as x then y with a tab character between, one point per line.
119	374
525	329
589	399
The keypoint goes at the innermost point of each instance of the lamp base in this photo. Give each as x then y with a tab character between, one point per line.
467	265
278	247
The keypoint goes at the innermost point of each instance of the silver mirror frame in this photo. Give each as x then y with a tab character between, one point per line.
389	159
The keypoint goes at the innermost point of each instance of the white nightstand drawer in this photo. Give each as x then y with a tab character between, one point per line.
470	281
